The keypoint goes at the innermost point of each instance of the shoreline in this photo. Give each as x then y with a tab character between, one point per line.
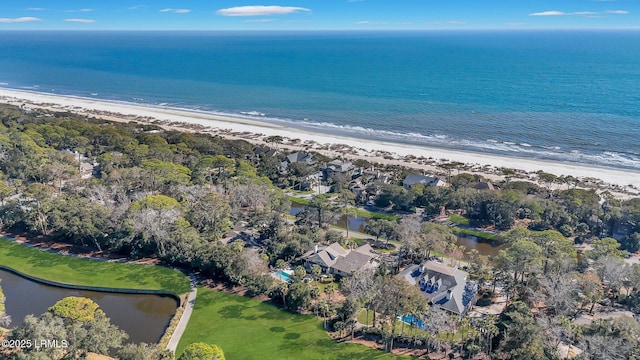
425	158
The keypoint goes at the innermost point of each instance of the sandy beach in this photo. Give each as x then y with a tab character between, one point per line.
424	158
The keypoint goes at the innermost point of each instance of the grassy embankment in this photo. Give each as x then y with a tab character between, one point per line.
359	212
461	220
248	329
77	271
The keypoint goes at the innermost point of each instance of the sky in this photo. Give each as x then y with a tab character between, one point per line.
317	14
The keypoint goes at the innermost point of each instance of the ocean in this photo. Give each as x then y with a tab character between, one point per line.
563	95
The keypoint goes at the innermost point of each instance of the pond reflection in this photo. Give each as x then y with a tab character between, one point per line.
143	317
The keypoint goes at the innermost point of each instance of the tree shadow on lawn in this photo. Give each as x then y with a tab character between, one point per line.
232	311
273	311
34	258
298	348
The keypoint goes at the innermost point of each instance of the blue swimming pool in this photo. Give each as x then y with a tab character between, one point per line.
410	320
281	275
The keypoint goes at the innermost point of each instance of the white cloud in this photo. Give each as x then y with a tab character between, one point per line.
258	20
259	10
176	11
136	7
548	13
456	22
19	20
82	21
619	12
35	9
590	14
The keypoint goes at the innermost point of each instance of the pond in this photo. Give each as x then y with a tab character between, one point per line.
358	223
143	317
355	223
471	242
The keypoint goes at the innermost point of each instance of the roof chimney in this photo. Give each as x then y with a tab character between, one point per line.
315	250
448	295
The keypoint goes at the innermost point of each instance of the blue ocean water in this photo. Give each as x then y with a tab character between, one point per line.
563	95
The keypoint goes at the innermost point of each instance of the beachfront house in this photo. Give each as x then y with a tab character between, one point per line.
297	157
261	152
371	175
337	168
334	259
485	185
446	287
427	180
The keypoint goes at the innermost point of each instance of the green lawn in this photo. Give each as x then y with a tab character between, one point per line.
359	212
458	219
377	215
76	271
249	329
476	233
299	201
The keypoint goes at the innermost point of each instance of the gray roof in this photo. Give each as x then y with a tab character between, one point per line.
483	185
353	261
300	156
345	261
339	166
447	287
413	179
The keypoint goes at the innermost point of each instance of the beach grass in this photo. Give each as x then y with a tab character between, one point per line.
76	271
248	329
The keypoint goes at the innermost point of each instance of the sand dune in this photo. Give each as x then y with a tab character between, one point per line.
422	157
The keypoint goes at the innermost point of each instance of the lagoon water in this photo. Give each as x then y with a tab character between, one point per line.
563	95
143	317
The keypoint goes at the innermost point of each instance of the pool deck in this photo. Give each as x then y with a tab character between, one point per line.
286	278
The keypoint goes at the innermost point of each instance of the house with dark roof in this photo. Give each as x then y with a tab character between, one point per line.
446	287
334	259
485	185
337	168
261	152
370	175
427	180
297	157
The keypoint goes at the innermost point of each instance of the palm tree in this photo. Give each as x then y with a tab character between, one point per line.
322	204
347	211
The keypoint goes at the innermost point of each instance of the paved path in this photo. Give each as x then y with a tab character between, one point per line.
191	298
186	315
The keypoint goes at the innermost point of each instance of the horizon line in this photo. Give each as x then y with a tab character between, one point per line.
514	29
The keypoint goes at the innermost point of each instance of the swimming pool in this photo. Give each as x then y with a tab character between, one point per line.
410	320
282	275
